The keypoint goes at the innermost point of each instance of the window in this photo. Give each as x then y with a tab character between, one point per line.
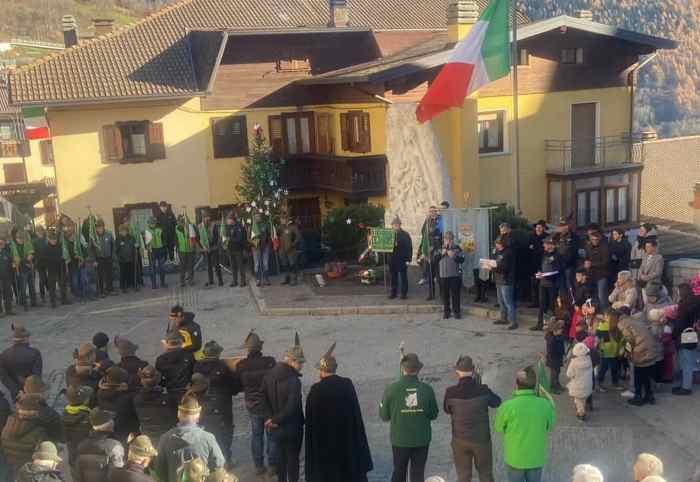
46	149
8	131
523	57
230	137
276	139
572	56
133	141
491	130
616	205
298	133
355	131
14	173
587	207
294	65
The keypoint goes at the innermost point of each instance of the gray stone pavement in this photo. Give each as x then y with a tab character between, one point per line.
368	353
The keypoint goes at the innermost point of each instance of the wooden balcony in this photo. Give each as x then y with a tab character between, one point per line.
357	177
14	149
582	156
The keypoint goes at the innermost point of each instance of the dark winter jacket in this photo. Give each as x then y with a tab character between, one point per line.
556	350
223	385
118	401
26	428
505	267
237	236
282	390
131	473
76	427
191	334
132	364
567	247
251	371
17	363
535	252
688	314
126	249
166	220
600	260
37	473
551	262
6	270
403	250
176	368
584	292
155	413
96	456
83	375
51	257
468	405
619	255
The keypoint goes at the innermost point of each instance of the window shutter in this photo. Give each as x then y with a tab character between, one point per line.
312	131
239	136
14	173
324	137
156	143
276	138
112	141
365	144
46	150
345	131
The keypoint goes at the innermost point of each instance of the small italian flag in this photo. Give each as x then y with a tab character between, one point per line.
35	125
481	57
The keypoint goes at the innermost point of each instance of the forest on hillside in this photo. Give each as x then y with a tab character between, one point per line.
669	87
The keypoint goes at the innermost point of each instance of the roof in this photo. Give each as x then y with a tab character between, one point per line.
153	57
5	107
437	52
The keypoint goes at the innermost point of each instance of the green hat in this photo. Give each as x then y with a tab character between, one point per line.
124	346
464	364
141	446
149	376
46	451
99	417
78	394
34	385
328	363
199	383
19	332
296	352
411	361
212	349
189	405
253	342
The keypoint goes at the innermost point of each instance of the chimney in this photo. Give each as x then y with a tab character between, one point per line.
461	15
103	26
584	15
70	31
648	135
340	14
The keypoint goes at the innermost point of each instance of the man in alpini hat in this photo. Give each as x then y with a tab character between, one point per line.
282	390
19	361
336	442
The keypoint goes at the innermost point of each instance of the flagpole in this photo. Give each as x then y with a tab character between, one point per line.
516	131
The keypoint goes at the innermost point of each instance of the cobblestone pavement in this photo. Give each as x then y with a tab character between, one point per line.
368	353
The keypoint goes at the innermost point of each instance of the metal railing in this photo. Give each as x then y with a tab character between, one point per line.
14	149
572	155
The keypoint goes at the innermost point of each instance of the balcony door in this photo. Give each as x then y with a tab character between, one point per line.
584	122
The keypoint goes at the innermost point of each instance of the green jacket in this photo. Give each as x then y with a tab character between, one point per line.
525	422
609	346
410	406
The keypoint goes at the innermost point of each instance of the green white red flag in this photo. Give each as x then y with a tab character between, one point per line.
35	124
480	58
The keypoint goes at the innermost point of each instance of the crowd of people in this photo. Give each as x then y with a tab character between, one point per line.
76	260
128	420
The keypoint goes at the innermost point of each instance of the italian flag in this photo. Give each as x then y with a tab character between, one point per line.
481	57
35	125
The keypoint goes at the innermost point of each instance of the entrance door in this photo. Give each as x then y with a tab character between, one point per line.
583	135
307	211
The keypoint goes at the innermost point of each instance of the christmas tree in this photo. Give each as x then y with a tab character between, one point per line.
260	190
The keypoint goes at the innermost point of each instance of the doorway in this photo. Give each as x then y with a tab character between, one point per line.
584	128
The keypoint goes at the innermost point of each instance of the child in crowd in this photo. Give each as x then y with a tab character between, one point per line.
556	350
608	343
582	295
101	342
580	374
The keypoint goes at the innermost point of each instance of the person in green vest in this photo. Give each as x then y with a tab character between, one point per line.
185	251
126	256
210	242
23	263
157	252
525	421
410	406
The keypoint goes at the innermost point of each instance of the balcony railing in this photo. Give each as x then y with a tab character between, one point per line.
596	153
14	149
356	176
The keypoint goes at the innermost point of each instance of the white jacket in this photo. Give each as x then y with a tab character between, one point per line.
580	372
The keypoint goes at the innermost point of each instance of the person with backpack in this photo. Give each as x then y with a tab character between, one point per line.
186	442
210	242
98	453
152	405
237	246
141	452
